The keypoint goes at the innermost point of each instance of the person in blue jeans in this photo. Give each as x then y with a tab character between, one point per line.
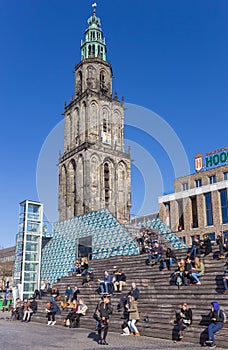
195	247
169	259
106	285
216	323
156	253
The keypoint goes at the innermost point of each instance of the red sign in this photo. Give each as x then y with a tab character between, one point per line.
198	161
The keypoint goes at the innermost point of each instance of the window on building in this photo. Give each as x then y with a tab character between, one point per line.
212	237
225	175
212	179
209	213
198	183
106	184
185	186
194	212
224	205
181	213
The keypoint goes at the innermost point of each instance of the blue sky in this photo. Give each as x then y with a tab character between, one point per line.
167	56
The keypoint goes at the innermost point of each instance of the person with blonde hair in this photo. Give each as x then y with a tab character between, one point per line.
197	271
132	308
184	319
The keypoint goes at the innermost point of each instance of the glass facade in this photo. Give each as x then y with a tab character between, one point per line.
209	212
28	248
224	205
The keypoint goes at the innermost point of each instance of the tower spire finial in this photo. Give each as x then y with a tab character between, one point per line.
94	5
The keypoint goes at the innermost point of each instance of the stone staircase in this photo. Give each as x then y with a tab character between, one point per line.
158	298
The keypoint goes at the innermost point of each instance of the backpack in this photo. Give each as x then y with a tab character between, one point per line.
223	314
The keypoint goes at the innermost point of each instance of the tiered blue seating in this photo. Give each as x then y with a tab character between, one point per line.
109	238
157	225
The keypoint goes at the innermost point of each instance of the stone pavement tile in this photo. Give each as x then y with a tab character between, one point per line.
36	336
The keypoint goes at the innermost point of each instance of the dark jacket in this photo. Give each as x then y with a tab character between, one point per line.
170	254
186	315
207	245
134	292
105	310
121	277
33	306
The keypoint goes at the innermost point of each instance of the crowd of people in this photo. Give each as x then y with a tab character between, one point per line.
189	269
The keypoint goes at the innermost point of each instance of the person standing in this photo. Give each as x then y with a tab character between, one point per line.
15	294
133	316
105	312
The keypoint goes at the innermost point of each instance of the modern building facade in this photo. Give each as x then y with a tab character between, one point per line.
28	248
94	171
198	205
7	256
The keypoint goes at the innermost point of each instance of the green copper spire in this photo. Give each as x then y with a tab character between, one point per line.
94	44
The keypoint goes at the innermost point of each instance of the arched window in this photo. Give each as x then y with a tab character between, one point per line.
106	184
89	50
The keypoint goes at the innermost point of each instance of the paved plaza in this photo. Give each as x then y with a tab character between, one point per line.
37	336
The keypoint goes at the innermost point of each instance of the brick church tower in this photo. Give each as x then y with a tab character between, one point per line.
94	171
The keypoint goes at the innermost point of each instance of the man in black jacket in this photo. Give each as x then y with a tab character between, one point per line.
105	309
120	281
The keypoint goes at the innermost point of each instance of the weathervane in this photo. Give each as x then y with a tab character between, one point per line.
94	5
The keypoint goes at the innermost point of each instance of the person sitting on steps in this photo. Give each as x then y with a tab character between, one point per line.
170	258
216	323
184	319
205	245
106	285
220	242
155	253
197	270
194	250
119	281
